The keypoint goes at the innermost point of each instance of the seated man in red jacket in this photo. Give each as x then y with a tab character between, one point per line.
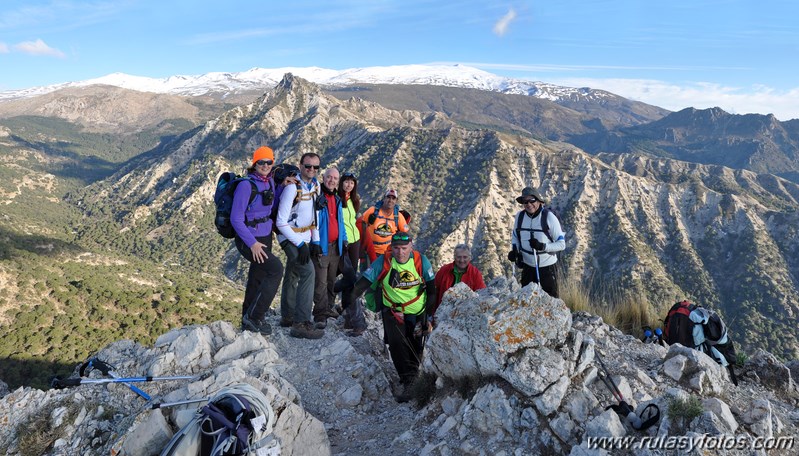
460	270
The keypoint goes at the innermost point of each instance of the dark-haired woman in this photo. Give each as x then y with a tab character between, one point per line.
350	205
250	217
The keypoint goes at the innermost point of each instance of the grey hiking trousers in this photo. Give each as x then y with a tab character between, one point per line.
296	298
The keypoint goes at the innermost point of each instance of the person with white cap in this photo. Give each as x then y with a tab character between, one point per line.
536	239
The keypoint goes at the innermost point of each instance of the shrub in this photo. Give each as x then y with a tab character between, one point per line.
686	409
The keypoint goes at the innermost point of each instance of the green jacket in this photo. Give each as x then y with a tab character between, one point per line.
353	234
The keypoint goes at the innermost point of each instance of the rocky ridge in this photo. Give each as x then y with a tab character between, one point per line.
508	370
658	228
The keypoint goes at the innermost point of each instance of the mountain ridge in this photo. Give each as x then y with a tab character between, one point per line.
659	227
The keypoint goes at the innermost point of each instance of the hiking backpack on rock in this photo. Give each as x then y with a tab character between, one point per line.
702	329
236	421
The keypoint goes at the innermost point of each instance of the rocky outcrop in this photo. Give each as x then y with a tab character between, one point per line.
508	370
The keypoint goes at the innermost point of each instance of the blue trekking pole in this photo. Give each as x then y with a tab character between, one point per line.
109	370
537	275
59	383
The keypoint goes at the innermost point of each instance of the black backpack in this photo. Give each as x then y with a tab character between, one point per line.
678	328
223	199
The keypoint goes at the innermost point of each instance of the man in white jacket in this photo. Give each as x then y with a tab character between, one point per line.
536	238
299	238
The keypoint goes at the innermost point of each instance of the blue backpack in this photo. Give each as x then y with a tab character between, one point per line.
223	199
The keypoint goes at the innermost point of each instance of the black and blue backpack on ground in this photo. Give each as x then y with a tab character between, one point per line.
702	329
223	199
236	421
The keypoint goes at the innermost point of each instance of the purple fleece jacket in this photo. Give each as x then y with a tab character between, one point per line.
240	211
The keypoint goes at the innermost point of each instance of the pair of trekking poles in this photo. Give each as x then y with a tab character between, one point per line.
110	371
650	415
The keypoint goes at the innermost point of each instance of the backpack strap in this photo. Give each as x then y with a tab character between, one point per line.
253	193
417	262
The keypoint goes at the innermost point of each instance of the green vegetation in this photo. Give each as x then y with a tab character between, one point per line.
685	409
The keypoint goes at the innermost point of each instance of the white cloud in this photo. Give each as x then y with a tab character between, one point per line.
761	99
3	48
501	27
38	47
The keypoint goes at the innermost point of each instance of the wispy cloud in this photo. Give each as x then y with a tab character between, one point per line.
3	48
60	15
501	27
784	104
38	47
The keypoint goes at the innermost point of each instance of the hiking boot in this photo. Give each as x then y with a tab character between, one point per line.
284	323
403	393
320	324
305	330
259	326
356	332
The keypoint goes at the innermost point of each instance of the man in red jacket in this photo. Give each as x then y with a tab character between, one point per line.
460	270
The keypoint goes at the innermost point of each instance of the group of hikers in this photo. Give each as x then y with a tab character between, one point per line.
318	227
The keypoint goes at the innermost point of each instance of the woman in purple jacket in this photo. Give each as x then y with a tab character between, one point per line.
250	217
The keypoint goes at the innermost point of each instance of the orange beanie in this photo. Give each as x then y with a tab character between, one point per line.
262	153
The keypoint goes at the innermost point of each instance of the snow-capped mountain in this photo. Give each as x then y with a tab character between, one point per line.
222	83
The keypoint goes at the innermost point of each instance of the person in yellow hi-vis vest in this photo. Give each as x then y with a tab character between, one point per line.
403	284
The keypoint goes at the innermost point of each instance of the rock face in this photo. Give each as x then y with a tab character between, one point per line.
508	370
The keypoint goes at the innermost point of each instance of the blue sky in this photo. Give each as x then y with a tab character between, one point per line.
740	55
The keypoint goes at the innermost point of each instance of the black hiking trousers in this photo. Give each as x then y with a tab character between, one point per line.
405	348
549	278
263	280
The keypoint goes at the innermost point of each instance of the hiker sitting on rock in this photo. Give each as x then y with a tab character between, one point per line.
460	270
402	283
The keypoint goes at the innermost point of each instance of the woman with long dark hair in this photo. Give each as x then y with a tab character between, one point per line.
350	205
250	217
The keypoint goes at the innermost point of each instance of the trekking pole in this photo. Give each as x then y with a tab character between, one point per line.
159	405
59	383
107	369
537	275
623	408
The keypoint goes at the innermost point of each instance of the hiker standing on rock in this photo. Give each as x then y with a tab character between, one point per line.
460	270
403	284
350	205
299	238
333	240
380	223
536	238
251	221
354	319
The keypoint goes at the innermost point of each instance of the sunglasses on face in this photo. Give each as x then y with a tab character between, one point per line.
316	167
530	201
264	162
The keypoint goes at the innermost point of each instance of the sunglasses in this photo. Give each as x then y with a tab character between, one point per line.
348	175
530	201
400	237
264	162
316	167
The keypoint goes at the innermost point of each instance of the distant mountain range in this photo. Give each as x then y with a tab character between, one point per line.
224	85
658	204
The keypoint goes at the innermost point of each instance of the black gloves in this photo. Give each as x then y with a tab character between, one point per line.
372	218
316	250
304	254
537	245
513	255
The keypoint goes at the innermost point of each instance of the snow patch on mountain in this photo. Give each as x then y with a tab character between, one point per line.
216	83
